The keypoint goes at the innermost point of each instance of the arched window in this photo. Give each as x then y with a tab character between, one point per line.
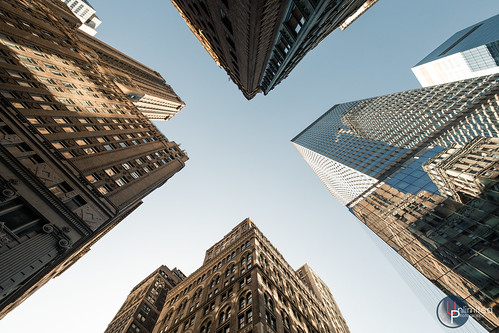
285	319
224	316
242	303
203	277
197	294
221	318
233	255
268	302
227	272
249	257
233	268
243	261
249	297
205	328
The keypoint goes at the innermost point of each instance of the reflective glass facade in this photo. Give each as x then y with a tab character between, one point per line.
420	169
471	52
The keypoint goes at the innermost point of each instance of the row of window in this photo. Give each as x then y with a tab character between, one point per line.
131	170
213	270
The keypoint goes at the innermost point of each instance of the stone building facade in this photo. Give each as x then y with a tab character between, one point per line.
246	285
143	305
76	156
259	42
145	87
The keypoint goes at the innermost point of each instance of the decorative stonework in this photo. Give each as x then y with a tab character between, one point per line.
46	174
7	190
9	139
90	216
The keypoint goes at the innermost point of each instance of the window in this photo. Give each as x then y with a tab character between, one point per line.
205	328
69	129
45	80
92	178
240	321
81	142
89	151
268	302
249	316
68	84
66	100
242	303
26	59
270	320
121	181
75	202
111	171
67	154
224	316
58	73
60	189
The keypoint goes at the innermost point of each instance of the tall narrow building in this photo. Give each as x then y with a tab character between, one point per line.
246	285
259	42
76	156
142	307
420	169
469	53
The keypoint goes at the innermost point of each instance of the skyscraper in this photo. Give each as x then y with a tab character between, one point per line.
76	156
142	307
245	285
145	87
86	14
420	169
257	42
469	53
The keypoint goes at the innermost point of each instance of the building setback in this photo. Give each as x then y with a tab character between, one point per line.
258	42
142	307
76	156
245	285
145	87
86	14
420	169
469	53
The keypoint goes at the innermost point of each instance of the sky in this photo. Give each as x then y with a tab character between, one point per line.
242	164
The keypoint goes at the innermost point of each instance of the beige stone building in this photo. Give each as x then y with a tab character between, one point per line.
246	285
143	305
76	155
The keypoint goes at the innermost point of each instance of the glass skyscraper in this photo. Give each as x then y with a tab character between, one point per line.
420	169
469	53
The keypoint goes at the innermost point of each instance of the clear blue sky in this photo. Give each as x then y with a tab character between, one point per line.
242	164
